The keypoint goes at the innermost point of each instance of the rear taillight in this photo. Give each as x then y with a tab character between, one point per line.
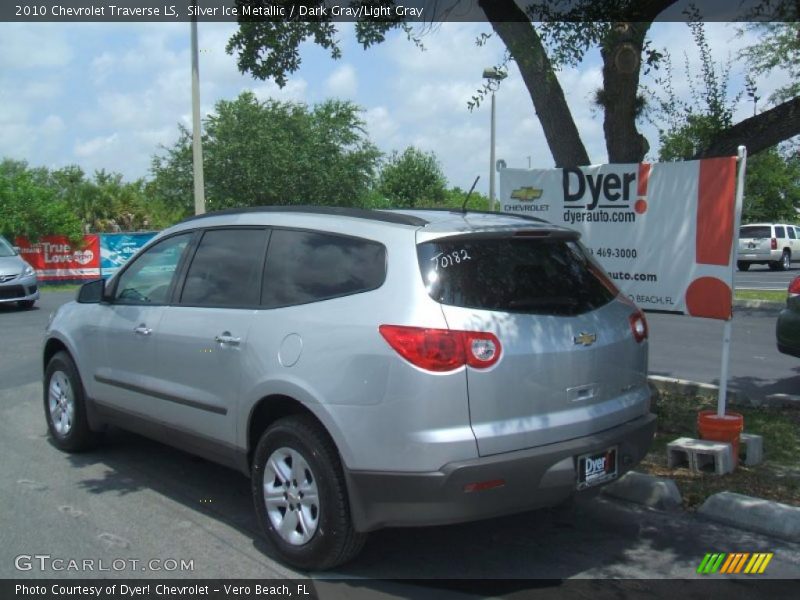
794	287
774	243
638	326
443	349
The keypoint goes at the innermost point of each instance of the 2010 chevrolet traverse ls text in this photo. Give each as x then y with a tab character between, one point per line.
365	368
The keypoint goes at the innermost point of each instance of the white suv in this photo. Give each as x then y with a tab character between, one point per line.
776	245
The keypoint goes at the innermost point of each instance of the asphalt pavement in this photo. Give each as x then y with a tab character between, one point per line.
759	277
134	499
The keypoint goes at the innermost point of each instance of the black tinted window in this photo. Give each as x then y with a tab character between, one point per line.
305	267
513	275
779	231
790	230
149	277
226	268
755	231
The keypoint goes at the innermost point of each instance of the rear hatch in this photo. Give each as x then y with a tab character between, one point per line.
755	241
570	365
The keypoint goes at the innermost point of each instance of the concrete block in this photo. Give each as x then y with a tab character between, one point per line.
700	455
751	447
753	514
655	492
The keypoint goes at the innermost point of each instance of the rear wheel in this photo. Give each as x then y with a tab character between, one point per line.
300	496
65	406
786	260
743	266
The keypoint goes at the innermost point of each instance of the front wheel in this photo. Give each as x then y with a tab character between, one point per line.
26	304
65	406
300	496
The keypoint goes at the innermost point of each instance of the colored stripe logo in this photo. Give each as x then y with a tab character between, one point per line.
735	563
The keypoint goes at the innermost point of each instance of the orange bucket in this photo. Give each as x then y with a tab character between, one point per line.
726	428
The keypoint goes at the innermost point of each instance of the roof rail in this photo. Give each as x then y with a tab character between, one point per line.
341	211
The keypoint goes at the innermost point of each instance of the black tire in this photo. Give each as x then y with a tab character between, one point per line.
77	437
26	304
786	261
743	266
334	541
774	265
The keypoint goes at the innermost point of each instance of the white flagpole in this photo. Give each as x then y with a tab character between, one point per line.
726	332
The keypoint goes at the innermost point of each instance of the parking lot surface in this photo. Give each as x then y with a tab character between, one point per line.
141	501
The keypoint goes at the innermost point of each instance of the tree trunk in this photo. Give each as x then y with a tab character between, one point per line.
525	47
758	133
621	52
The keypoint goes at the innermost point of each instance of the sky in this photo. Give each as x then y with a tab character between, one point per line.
110	95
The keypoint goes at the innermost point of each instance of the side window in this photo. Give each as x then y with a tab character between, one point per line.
779	231
148	279
226	269
792	235
306	267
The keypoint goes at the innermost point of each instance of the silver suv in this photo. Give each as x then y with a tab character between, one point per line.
365	368
777	246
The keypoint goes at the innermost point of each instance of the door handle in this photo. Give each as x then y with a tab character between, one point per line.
142	330
227	339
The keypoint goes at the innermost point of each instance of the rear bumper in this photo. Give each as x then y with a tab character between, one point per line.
534	478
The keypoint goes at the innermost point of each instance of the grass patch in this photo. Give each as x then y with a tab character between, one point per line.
59	287
768	295
777	478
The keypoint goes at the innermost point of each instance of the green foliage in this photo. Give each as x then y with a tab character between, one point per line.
272	153
686	127
413	178
772	187
778	47
29	208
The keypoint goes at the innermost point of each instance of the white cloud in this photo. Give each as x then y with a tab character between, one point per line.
343	82
94	146
33	45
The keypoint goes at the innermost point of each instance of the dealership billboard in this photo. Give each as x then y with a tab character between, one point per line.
663	231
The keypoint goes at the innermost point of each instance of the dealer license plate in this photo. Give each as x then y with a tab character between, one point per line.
597	468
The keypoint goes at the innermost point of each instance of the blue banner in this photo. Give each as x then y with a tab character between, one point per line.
117	248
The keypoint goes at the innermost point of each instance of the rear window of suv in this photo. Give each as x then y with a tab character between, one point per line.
755	231
536	276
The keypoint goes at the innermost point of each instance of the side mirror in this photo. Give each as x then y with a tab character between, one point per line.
91	292
17	250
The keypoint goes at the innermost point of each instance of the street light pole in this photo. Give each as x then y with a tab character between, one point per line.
495	76
197	144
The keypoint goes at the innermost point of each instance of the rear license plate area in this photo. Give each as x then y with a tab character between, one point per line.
597	467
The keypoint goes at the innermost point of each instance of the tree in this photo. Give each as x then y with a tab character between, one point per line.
772	188
273	153
567	29
413	178
28	208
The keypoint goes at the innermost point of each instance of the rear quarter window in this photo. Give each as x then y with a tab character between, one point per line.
307	266
755	231
537	276
780	231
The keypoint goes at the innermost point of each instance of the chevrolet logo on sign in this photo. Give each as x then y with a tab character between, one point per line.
585	339
526	194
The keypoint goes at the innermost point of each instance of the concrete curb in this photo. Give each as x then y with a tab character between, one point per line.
650	491
753	514
735	398
759	305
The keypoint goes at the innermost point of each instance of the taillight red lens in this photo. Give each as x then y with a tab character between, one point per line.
443	349
774	243
794	287
638	326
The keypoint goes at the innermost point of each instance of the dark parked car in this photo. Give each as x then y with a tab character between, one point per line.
787	330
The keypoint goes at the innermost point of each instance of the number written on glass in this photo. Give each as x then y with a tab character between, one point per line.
456	257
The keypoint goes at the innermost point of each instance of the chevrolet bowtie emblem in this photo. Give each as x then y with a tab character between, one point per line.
585	339
526	194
